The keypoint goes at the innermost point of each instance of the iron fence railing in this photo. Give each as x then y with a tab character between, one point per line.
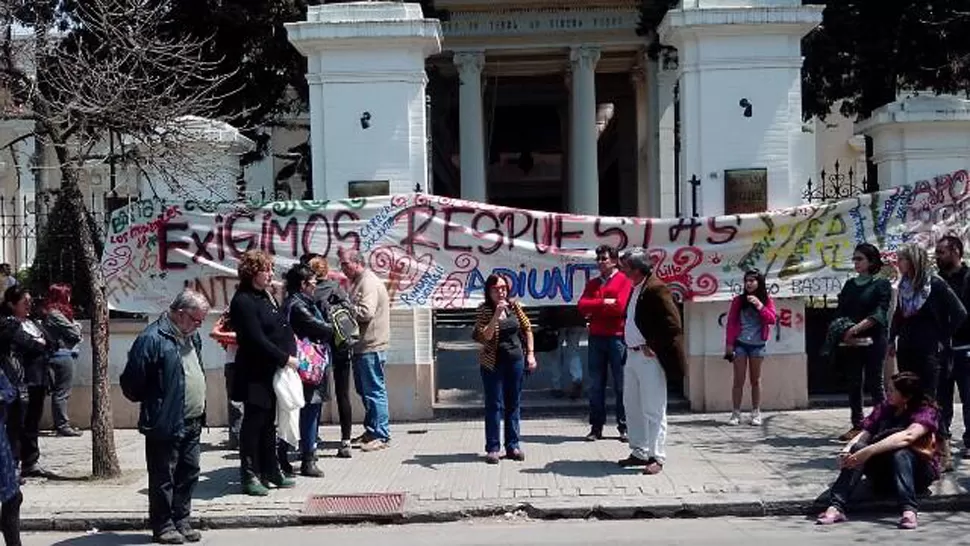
836	184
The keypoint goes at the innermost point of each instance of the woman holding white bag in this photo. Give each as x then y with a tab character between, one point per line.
266	344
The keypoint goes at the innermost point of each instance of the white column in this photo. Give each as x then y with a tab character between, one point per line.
644	77
664	125
584	184
318	160
471	125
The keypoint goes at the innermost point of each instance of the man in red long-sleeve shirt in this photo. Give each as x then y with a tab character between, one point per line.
604	303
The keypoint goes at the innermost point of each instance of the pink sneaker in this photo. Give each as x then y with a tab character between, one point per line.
908	521
830	517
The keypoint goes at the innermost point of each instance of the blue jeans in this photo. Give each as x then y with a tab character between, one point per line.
503	393
173	472
309	429
369	383
746	349
901	472
607	355
960	378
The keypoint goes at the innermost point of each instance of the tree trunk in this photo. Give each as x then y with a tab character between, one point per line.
104	459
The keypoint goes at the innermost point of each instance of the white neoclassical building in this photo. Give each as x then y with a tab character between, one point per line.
556	105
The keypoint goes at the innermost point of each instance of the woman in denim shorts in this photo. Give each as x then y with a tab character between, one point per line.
749	323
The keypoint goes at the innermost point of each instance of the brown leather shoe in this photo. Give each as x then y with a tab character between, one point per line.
653	468
850	434
515	455
632	461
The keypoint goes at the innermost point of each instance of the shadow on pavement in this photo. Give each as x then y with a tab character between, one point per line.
217	483
432	461
550	439
106	539
581	469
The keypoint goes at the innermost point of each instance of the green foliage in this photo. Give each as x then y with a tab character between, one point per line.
58	258
652	12
866	52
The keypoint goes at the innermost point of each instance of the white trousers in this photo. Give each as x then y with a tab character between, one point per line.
645	400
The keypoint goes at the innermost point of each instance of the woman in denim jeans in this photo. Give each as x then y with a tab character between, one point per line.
750	318
65	334
897	449
503	328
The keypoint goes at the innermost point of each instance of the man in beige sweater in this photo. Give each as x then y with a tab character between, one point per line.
373	313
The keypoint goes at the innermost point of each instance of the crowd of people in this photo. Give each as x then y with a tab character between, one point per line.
635	344
635	336
311	322
38	352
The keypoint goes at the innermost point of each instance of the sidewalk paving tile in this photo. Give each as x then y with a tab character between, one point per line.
440	464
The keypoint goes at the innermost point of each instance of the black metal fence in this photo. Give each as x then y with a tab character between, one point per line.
835	184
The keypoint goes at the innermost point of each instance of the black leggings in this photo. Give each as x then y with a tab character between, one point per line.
864	367
928	364
30	447
10	520
341	386
257	443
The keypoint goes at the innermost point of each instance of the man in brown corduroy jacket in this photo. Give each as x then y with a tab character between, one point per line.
655	352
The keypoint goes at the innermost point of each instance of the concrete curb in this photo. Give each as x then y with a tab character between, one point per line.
605	508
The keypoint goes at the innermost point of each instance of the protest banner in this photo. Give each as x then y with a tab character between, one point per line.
437	252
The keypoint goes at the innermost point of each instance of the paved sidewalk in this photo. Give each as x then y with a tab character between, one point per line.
779	468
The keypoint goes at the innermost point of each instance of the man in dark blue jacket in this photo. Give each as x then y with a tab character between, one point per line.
166	375
949	261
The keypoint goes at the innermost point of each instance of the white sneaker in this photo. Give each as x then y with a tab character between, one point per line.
735	419
756	418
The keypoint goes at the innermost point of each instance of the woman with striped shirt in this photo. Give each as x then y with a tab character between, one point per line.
503	328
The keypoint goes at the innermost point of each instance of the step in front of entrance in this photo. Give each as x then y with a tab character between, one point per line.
456	404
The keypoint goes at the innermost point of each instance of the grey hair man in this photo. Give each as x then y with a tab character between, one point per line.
166	376
372	309
655	352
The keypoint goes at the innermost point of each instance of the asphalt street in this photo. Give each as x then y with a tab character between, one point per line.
939	528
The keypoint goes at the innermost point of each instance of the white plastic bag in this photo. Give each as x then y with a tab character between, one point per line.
289	401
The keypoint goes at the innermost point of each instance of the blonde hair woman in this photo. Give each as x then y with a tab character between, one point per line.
927	315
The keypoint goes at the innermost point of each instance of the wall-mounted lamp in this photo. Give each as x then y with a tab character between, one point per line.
365	120
746	104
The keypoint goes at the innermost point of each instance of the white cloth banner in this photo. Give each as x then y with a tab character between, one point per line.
437	252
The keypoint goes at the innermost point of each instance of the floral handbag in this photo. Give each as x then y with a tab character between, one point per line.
314	360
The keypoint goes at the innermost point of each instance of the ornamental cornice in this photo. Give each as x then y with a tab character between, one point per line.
738	21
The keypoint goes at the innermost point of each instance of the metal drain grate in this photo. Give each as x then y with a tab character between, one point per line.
345	507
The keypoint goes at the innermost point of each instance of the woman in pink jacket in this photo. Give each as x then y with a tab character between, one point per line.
749	323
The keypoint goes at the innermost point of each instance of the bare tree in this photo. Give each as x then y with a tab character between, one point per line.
113	66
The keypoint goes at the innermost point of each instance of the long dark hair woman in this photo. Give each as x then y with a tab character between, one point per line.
898	450
749	322
307	322
266	344
65	334
505	333
859	331
25	362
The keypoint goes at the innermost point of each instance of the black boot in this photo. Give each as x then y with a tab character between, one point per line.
283	456
309	467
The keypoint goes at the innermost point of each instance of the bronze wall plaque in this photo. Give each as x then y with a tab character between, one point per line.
357	189
745	191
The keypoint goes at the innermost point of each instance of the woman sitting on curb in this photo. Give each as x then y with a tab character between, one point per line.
897	450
